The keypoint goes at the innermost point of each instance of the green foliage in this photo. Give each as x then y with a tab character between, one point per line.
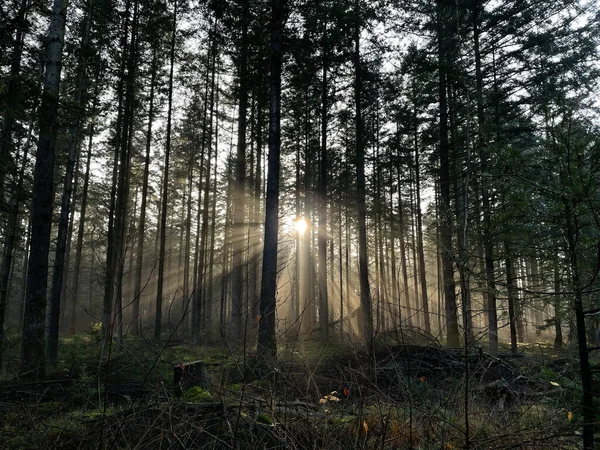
196	394
264	419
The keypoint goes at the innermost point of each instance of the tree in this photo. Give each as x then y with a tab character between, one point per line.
267	343
365	297
240	176
443	10
61	253
163	224
32	348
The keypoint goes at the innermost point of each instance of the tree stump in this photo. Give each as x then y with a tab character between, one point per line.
187	375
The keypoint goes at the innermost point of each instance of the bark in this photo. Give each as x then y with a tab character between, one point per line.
237	306
587	401
323	301
341	270
401	237
24	272
446	216
137	285
211	258
558	337
225	259
60	257
122	199
82	218
165	188
365	296
267	343
420	250
200	289
413	248
32	348
118	194
11	239
397	310
511	288
196	294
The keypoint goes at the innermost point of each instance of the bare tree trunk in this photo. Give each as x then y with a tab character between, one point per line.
446	218
323	301
397	310
11	239
225	260
211	259
82	215
118	203
60	257
163	224
32	348
413	247
420	250
572	229
200	288
137	285
409	311
237	306
365	297
24	271
267	343
511	288
558	337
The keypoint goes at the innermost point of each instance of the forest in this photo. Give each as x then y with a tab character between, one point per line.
299	224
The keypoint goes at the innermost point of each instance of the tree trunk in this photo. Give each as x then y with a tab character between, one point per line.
211	258
446	216
511	289
323	301
413	248
420	250
32	348
409	311
137	285
200	288
11	239
60	257
397	310
556	301
118	205
82	217
365	297
163	224
572	229
267	343
237	306
225	259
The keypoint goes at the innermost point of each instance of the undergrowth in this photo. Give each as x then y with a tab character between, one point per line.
316	397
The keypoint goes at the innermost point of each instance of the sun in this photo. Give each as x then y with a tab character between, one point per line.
300	226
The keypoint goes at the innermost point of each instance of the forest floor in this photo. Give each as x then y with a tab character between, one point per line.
408	394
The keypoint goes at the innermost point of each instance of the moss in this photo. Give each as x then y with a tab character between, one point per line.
196	394
263	418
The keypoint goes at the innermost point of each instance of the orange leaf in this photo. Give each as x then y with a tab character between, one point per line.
365	427
346	392
422	379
